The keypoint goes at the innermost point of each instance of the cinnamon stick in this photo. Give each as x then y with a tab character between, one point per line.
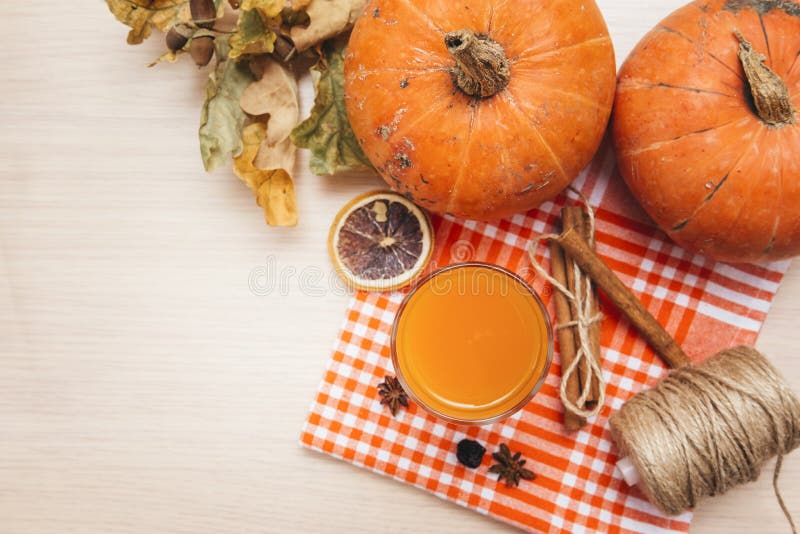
647	325
566	338
572	218
594	310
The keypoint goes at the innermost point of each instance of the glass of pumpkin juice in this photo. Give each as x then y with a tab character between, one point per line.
472	343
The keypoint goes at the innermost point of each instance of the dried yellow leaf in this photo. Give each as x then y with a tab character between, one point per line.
270	8
273	188
253	34
143	15
328	19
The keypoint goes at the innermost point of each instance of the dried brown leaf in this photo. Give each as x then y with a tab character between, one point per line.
276	95
328	19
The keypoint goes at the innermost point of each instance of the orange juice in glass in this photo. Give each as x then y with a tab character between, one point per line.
472	343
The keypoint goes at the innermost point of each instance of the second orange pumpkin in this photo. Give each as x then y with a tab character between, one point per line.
480	108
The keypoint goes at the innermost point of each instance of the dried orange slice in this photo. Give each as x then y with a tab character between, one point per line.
380	241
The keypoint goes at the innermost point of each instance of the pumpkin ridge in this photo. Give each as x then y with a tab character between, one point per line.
403	129
794	64
538	133
641	84
702	47
526	55
779	200
424	16
491	20
661	144
463	169
409	70
748	197
785	138
577	96
766	37
681	225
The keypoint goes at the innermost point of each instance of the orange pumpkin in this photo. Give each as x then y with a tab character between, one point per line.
706	127
479	108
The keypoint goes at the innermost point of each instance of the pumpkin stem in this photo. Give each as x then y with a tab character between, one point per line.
482	68
770	94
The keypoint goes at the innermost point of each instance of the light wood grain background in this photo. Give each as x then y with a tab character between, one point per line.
143	386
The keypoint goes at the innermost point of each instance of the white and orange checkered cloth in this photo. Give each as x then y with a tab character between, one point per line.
707	306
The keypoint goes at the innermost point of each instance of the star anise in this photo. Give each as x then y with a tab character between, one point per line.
510	467
392	394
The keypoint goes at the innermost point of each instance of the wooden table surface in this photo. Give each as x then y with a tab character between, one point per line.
143	386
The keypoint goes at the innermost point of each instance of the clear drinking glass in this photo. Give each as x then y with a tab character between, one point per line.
472	343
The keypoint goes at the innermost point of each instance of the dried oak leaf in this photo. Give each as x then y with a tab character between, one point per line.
329	18
222	118
273	189
327	132
253	34
275	94
143	15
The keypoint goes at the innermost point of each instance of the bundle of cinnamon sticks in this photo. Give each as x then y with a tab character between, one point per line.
564	271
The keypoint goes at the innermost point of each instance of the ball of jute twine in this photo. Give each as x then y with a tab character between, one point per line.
708	427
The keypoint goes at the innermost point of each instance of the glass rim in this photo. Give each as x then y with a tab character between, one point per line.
537	385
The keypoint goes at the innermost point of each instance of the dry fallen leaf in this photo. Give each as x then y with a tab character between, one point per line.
253	34
221	118
328	18
276	95
143	15
274	189
327	132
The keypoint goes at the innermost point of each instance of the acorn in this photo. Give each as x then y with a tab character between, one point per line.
284	48
290	17
178	36
204	13
201	49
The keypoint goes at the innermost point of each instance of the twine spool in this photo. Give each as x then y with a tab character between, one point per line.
707	428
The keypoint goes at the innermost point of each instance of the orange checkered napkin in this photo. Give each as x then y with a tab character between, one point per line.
707	306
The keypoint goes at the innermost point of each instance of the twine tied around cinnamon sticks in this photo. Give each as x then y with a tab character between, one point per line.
582	388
